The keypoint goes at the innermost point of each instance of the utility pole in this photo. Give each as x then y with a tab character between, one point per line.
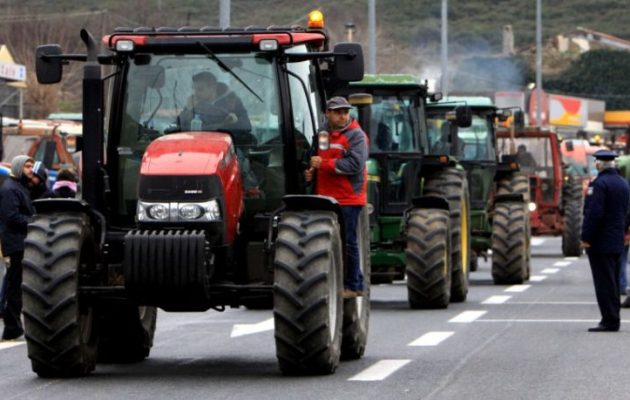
444	83
372	36
224	14
539	87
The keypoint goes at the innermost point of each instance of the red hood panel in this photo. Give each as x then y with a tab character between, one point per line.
198	153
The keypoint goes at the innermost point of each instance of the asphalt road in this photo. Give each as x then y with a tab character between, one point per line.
505	342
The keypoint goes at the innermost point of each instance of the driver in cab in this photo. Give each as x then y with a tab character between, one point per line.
212	106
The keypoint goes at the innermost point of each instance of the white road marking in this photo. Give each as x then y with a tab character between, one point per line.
431	339
571	258
517	288
248	329
537	241
561	303
467	316
379	371
537	278
8	345
550	270
562	321
561	263
496	299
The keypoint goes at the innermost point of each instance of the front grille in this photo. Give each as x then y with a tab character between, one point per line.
163	188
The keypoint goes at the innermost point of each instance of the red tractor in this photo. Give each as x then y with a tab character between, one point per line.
555	198
193	217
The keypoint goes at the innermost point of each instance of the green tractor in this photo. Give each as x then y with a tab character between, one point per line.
499	193
418	203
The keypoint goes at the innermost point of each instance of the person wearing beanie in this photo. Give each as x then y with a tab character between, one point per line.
16	212
66	184
39	183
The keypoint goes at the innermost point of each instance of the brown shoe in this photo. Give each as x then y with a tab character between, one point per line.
349	294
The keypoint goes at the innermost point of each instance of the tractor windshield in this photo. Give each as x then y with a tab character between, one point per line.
393	124
165	94
534	154
475	142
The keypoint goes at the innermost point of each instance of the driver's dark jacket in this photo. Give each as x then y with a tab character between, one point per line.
16	211
606	213
213	114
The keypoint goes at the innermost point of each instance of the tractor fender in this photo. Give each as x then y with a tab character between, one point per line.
506	198
304	202
430	202
54	205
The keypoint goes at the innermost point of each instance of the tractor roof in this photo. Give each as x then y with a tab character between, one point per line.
405	80
169	38
471	101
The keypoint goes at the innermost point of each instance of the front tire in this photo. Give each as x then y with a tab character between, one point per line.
60	327
428	259
572	219
308	284
510	239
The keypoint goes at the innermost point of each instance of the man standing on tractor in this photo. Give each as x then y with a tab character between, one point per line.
603	229
341	159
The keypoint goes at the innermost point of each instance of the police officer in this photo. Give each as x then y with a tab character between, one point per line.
605	214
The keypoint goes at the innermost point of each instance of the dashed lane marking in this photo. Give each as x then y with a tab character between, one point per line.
496	299
248	329
545	321
431	339
550	270
537	278
561	263
537	241
380	370
467	316
517	288
571	258
8	345
555	303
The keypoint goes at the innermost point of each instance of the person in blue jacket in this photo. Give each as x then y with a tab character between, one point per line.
603	230
16	211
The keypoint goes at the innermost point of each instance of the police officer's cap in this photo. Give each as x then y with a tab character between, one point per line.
605	155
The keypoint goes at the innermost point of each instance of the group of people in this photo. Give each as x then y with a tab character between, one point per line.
28	181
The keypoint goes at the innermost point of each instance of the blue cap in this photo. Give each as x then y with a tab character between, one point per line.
605	155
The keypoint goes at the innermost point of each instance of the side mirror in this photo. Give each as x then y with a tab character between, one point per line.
463	116
348	62
48	70
435	97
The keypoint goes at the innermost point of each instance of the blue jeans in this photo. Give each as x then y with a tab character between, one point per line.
354	277
623	273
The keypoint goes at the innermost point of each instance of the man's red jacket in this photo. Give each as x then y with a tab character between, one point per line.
343	172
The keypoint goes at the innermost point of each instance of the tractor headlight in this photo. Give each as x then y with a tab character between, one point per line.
158	212
532	207
178	212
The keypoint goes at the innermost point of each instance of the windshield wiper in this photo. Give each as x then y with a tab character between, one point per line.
226	68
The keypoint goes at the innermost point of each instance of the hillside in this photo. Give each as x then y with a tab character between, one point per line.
408	31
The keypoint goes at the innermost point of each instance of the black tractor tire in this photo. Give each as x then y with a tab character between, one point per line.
126	334
573	198
510	238
308	286
453	185
60	329
516	183
356	311
428	264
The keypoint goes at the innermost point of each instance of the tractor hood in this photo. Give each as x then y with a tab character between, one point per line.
198	153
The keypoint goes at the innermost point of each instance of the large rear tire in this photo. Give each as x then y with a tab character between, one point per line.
356	311
428	258
516	183
60	328
573	203
510	238
126	334
453	185
308	285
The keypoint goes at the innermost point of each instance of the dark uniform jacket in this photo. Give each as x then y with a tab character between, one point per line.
16	211
606	213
